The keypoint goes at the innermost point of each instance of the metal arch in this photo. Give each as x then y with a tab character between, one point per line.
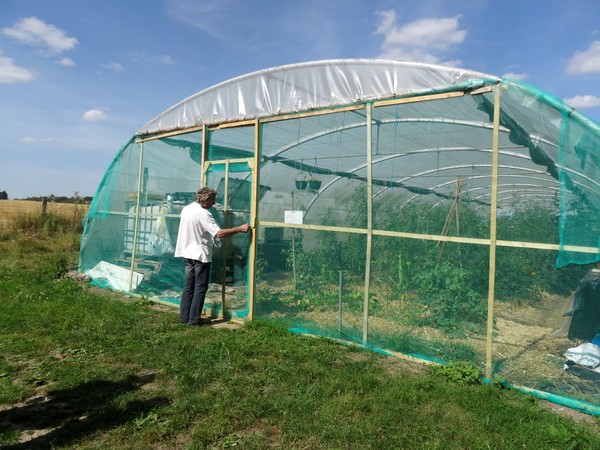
394	120
506	191
412	152
482	150
414	197
556	182
535	186
397	155
322	133
536	195
461	166
485	176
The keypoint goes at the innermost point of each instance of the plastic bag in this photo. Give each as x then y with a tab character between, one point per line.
586	355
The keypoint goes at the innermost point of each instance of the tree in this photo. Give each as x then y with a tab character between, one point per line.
3	195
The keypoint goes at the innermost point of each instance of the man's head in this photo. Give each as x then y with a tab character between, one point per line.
206	197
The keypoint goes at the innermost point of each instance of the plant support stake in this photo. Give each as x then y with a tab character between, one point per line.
340	288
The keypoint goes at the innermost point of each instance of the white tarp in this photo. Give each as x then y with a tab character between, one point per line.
306	86
116	276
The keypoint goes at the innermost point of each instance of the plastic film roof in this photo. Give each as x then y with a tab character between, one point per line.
306	86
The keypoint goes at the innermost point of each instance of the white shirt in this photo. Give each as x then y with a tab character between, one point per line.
197	231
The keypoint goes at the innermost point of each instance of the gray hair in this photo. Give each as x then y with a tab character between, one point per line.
204	194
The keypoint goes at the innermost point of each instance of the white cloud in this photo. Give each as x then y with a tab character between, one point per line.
114	66
208	16
67	62
516	76
33	140
11	73
587	61
419	40
36	32
161	59
94	115
583	101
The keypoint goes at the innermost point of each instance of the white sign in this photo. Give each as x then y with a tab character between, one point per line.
295	217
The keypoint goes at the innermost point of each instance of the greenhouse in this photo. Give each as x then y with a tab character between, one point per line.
422	211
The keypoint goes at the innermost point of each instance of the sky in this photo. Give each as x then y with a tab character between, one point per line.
79	77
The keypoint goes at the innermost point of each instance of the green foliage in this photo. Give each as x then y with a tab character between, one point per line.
461	372
564	437
317	271
447	291
526	273
76	198
438	350
447	281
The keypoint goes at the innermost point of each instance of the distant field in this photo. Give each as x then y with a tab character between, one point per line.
13	209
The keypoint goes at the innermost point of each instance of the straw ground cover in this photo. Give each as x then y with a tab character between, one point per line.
83	368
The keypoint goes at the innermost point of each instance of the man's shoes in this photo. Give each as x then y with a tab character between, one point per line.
199	324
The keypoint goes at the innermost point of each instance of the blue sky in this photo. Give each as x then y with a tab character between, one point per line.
79	77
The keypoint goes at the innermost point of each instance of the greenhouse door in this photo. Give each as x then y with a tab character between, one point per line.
230	288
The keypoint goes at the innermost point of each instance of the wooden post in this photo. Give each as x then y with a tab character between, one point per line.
203	155
493	207
294	248
369	222
226	241
44	206
254	221
137	215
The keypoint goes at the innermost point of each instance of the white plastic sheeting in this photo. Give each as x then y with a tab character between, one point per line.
306	86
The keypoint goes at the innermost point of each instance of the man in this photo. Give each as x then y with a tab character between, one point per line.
195	242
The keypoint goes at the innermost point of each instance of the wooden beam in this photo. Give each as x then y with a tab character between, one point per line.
431	237
369	222
493	216
137	215
226	241
170	133
255	168
312	113
241	123
420	98
203	156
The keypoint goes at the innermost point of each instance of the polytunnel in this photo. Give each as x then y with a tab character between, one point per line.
425	211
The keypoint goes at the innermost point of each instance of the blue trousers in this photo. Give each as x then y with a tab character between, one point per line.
192	298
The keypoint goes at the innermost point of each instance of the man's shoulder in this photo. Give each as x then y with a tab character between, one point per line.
196	210
191	207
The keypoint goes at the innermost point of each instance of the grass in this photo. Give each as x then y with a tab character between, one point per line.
84	368
20	212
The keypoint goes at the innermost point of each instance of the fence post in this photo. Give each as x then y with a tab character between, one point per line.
44	206
340	295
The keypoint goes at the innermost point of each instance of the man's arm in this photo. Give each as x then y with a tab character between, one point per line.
226	232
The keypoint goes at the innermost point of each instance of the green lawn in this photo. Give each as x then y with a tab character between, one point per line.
84	368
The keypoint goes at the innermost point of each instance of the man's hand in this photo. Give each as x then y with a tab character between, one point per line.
226	232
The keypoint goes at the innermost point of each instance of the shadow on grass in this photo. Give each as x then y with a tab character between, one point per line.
65	416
